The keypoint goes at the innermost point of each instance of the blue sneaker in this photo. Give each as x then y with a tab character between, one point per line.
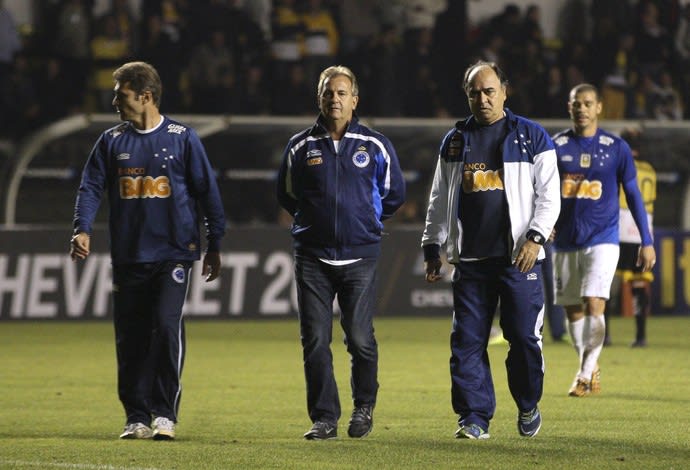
529	422
471	431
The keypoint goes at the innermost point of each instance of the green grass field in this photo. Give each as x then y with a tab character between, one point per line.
244	403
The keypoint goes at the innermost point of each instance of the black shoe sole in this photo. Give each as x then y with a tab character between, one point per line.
356	436
316	438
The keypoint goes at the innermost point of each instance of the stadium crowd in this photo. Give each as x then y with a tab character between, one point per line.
261	57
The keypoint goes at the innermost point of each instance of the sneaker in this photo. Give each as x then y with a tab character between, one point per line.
321	431
471	431
136	431
580	388
163	429
529	422
639	343
361	422
595	383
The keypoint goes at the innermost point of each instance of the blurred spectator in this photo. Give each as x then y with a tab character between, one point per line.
127	24
614	92
682	35
173	16
211	75
418	15
72	47
624	60
642	96
682	47
554	94
573	75
570	31
527	73
206	17
668	103
449	60
610	20
360	21
531	25
260	13
574	54
491	50
249	47
21	111
406	50
421	96
653	43
668	12
320	39
296	94
252	98
51	77
109	48
287	44
508	25
9	42
385	85
161	47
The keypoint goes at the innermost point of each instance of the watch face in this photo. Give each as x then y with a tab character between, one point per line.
537	238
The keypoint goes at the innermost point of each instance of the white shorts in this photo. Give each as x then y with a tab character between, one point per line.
585	273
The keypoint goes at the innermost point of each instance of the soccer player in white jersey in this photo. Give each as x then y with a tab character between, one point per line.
592	164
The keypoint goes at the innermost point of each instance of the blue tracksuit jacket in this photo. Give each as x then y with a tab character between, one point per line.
340	199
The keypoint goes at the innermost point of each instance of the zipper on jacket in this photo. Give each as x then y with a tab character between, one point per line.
337	194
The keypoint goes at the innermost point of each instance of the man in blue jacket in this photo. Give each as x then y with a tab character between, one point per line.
494	200
157	175
339	180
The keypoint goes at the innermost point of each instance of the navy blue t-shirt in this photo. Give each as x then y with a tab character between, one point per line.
483	209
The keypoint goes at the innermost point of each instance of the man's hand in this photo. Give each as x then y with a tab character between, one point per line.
79	246
528	255
646	258
432	268
211	266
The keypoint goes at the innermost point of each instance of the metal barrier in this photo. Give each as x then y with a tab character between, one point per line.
246	151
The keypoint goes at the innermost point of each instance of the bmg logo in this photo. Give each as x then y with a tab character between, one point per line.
141	187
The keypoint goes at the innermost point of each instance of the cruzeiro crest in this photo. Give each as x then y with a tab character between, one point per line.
178	274
361	157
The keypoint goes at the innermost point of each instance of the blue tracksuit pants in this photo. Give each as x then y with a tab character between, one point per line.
150	337
478	287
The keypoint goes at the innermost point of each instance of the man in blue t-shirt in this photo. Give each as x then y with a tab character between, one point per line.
493	202
592	163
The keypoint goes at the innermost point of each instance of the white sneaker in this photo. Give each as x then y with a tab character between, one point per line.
136	431
163	429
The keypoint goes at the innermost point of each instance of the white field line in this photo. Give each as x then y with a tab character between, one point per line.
80	466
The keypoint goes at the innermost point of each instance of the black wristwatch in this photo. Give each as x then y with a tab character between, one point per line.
536	237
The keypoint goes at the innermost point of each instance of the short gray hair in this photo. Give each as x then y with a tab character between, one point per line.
334	70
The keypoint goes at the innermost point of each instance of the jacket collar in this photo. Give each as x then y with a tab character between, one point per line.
319	128
470	123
